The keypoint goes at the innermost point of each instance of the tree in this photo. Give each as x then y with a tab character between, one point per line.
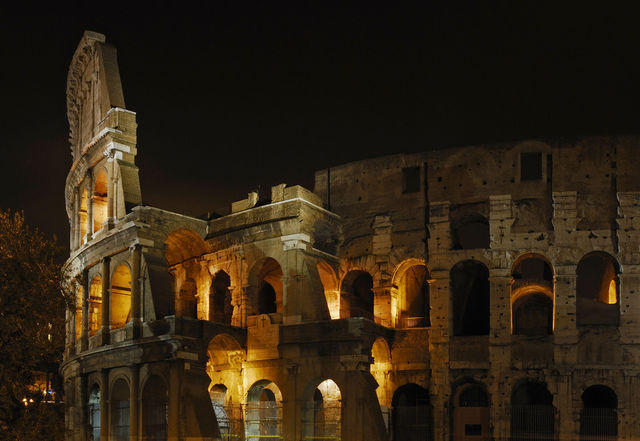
34	295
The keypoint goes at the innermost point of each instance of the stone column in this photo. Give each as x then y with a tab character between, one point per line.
439	388
89	184
75	222
134	403
136	301
500	351
111	190
104	406
106	300
84	335
565	330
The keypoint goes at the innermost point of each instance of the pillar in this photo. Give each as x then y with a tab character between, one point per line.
136	301
565	329
75	222
106	300
104	406
84	334
111	193
134	403
174	401
89	205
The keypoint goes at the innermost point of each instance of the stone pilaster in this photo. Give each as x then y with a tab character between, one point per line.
106	301
565	330
565	218
500	221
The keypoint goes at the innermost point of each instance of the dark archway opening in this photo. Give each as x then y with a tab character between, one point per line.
220	298
471	298
470	232
597	290
533	315
532	413
412	414
599	414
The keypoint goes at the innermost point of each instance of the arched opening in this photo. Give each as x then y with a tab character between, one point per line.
93	414
184	244
599	414
120	297
532	413
471	414
413	298
412	414
533	314
224	352
220	306
95	305
532	270
471	297
322	413
218	401
330	287
100	200
263	411
186	302
357	294
597	290
154	409
119	430
380	369
470	232
78	312
82	216
266	279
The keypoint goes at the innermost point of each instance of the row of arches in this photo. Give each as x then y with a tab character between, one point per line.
119	301
154	411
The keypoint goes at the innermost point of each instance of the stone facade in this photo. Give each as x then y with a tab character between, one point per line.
460	294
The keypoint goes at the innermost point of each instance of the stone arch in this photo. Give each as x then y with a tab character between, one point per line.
471	298
412	414
266	286
155	399
411	305
379	368
225	352
94	413
356	295
220	308
470	231
119	409
183	244
120	296
322	410
599	414
95	305
218	395
470	403
329	282
598	290
532	412
263	410
532	295
100	196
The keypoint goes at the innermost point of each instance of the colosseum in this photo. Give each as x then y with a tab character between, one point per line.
460	294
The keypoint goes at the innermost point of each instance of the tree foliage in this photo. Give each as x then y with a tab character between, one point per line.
33	297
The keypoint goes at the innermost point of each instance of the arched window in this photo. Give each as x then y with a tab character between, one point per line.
413	302
263	416
220	307
82	216
100	200
533	315
322	412
120	411
154	409
597	292
412	414
267	286
78	312
357	294
187	303
120	297
599	414
471	414
470	231
95	305
93	414
532	413
471	297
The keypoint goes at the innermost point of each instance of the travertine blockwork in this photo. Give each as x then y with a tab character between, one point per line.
469	293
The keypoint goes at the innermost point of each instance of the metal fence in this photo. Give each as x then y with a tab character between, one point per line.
598	424
532	423
321	422
263	421
412	423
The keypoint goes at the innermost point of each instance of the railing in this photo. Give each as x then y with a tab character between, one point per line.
598	424
532	423
412	423
263	421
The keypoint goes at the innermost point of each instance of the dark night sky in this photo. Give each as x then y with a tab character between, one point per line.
237	95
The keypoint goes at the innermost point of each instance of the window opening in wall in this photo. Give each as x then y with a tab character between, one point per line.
78	312
82	216
100	201
95	305
154	409
471	298
187	302
412	414
533	315
266	299
120	297
93	414
267	287
597	290
411	180
120	411
220	298
357	294
530	166
599	414
414	297
263	412
532	413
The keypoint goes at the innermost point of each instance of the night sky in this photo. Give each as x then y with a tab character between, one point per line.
235	96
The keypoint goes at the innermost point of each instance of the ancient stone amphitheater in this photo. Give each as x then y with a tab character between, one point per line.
475	293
